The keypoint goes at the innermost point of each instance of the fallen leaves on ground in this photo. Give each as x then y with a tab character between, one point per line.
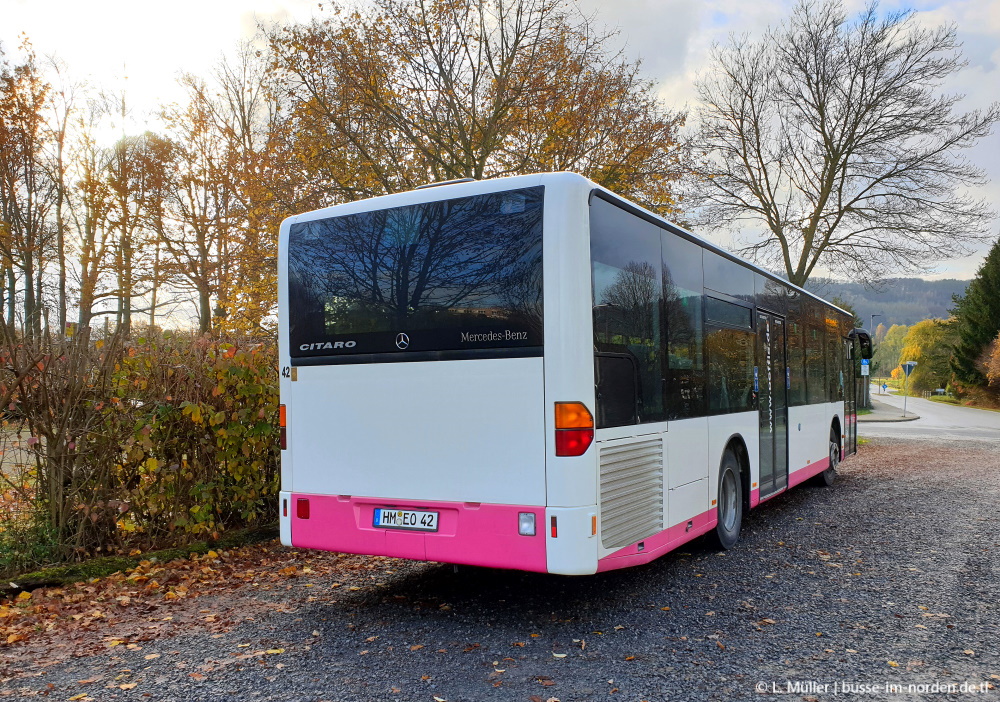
155	599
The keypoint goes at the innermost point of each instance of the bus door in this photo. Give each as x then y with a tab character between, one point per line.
771	381
852	390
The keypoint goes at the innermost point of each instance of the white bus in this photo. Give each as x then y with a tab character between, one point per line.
533	373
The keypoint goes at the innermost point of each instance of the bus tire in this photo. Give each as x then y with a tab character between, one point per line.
829	475
730	502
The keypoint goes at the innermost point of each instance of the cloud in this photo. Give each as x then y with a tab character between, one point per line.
674	40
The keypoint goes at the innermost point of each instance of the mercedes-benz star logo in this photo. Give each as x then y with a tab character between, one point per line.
402	341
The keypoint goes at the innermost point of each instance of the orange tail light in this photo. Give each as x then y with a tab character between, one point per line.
574	428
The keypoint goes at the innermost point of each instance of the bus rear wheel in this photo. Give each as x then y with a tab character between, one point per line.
827	477
730	503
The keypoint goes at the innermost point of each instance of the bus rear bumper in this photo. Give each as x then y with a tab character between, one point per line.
468	533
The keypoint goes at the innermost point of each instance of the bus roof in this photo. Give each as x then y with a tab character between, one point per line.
460	188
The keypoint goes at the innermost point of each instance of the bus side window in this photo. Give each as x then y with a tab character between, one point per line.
684	321
834	362
730	370
626	275
796	360
617	389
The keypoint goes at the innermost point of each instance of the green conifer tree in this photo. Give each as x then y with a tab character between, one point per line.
977	318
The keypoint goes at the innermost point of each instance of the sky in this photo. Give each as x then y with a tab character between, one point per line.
141	47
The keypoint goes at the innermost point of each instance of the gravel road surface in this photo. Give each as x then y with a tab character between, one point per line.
888	578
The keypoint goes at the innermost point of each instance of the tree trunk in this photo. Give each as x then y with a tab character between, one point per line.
61	255
86	302
30	311
11	296
204	309
41	314
125	303
156	282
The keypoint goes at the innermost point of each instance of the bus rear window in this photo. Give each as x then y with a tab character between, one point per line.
457	278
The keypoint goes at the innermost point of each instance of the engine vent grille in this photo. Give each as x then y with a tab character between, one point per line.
631	492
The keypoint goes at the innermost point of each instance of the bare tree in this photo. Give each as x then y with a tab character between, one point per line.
831	132
63	107
89	209
233	185
26	190
138	175
203	206
247	115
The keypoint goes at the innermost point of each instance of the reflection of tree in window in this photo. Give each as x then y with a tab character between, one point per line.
815	370
834	374
685	378
730	370
523	294
456	262
681	348
629	300
796	367
626	322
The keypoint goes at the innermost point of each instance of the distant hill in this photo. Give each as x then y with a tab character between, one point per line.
898	300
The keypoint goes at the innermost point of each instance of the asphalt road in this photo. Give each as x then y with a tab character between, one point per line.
888	578
938	420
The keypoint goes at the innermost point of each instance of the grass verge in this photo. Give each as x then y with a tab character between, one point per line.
945	399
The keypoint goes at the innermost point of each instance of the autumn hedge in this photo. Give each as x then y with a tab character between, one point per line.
112	445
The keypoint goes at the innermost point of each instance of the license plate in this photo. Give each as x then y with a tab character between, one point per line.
406	519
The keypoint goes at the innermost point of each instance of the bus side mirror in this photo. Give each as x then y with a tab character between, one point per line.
864	340
866	348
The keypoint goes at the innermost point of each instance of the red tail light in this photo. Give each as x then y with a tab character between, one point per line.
573	442
282	432
574	429
302	508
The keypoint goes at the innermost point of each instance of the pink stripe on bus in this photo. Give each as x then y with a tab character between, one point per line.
468	533
803	474
796	477
679	534
659	544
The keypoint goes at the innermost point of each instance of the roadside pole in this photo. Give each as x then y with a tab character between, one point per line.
866	374
868	385
907	369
